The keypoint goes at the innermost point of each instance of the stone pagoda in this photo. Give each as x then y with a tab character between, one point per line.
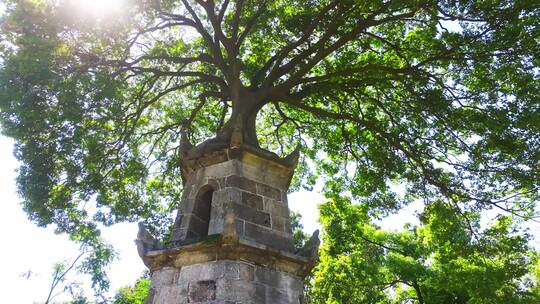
232	239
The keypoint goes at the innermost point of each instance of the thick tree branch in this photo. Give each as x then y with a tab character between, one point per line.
160	26
131	120
331	29
249	25
418	291
236	20
157	72
344	39
214	47
426	169
222	10
278	58
350	72
202	58
219	36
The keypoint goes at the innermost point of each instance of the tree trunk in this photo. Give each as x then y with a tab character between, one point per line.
241	125
243	119
419	295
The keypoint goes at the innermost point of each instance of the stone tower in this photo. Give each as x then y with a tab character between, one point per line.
232	240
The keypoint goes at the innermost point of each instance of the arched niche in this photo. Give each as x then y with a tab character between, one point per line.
201	211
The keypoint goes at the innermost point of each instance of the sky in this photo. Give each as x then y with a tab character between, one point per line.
27	247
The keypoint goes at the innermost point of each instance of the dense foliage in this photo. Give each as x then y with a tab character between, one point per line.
440	260
437	98
135	294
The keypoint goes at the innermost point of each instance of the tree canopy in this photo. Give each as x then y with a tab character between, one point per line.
135	294
389	102
440	260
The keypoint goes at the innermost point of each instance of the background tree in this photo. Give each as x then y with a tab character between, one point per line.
440	97
61	283
135	294
439	261
298	234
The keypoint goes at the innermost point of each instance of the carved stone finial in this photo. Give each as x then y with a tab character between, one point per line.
146	242
311	248
293	158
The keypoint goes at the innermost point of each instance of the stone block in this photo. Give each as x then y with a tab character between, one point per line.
229	270
164	277
170	294
252	200
266	175
184	221
240	291
252	215
288	225
239	227
200	181
223	169
284	198
212	158
279	223
268	191
188	188
268	237
197	272
246	272
267	277
186	205
202	291
190	258
150	299
260	295
257	173
227	195
278	280
281	296
241	183
178	218
275	208
217	218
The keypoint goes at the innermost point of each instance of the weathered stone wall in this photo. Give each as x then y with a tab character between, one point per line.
225	282
232	239
255	194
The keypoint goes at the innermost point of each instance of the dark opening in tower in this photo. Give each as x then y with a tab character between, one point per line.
201	212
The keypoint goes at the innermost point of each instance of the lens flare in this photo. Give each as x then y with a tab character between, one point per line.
100	7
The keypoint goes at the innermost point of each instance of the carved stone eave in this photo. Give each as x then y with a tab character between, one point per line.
247	154
218	248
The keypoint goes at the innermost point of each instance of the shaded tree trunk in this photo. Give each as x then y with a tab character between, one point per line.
245	107
241	124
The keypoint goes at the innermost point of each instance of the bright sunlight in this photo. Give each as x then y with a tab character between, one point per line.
99	7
